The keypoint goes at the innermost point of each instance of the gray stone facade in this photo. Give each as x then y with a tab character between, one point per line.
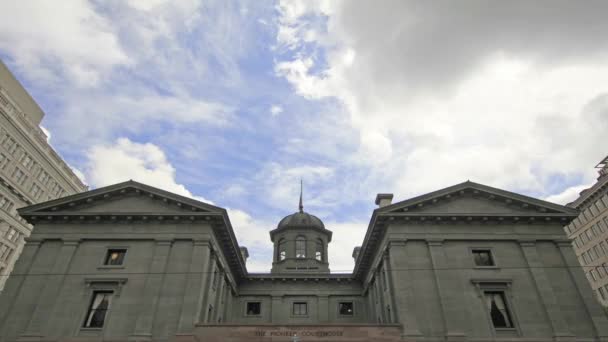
30	170
466	263
589	232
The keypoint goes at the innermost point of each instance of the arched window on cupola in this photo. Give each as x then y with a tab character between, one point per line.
319	250
300	247
282	250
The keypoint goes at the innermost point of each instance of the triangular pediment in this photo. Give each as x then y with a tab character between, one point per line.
470	198
123	198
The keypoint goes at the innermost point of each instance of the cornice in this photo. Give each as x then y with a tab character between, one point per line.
470	218
79	217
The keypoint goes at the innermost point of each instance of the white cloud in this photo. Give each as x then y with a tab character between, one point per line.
79	174
568	195
346	236
93	120
69	38
276	110
125	159
253	234
437	102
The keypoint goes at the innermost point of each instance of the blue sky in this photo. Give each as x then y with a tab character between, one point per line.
235	102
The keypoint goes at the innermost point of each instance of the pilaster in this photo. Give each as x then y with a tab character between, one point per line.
450	293
323	308
545	290
48	296
403	287
276	310
150	296
197	274
390	288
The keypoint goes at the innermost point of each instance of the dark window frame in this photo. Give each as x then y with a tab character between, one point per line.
501	318
299	309
300	247
122	253
478	261
90	319
251	306
344	305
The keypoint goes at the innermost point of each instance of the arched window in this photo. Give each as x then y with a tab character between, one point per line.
282	250
319	250
300	247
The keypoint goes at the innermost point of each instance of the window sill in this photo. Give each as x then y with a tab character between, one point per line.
486	267
91	329
110	267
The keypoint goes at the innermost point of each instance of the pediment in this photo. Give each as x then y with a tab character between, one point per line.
475	199
123	198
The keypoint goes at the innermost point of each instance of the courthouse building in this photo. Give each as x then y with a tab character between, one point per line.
30	170
589	232
130	262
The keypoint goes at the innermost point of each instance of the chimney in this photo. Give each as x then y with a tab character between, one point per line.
356	251
244	253
382	200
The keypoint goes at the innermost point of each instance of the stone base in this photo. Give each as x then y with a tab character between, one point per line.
271	333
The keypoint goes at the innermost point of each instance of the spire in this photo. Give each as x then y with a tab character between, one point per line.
301	206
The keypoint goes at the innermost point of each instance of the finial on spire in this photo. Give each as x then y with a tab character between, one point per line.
301	206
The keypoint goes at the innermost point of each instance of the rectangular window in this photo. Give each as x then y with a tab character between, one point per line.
483	257
27	161
10	233
593	275
498	310
115	257
3	161
604	247
598	250
602	293
10	144
601	271
346	308
43	177
19	176
300	309
589	234
592	254
254	308
36	191
96	314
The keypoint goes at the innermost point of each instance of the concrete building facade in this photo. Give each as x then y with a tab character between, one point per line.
589	232
30	170
130	262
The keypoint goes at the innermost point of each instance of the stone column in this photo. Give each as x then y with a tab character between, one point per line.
390	288
597	314
404	293
219	294
205	297
450	293
152	287
52	285
197	274
12	289
545	290
276	310
323	307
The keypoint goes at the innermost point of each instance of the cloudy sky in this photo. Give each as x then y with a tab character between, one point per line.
234	102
